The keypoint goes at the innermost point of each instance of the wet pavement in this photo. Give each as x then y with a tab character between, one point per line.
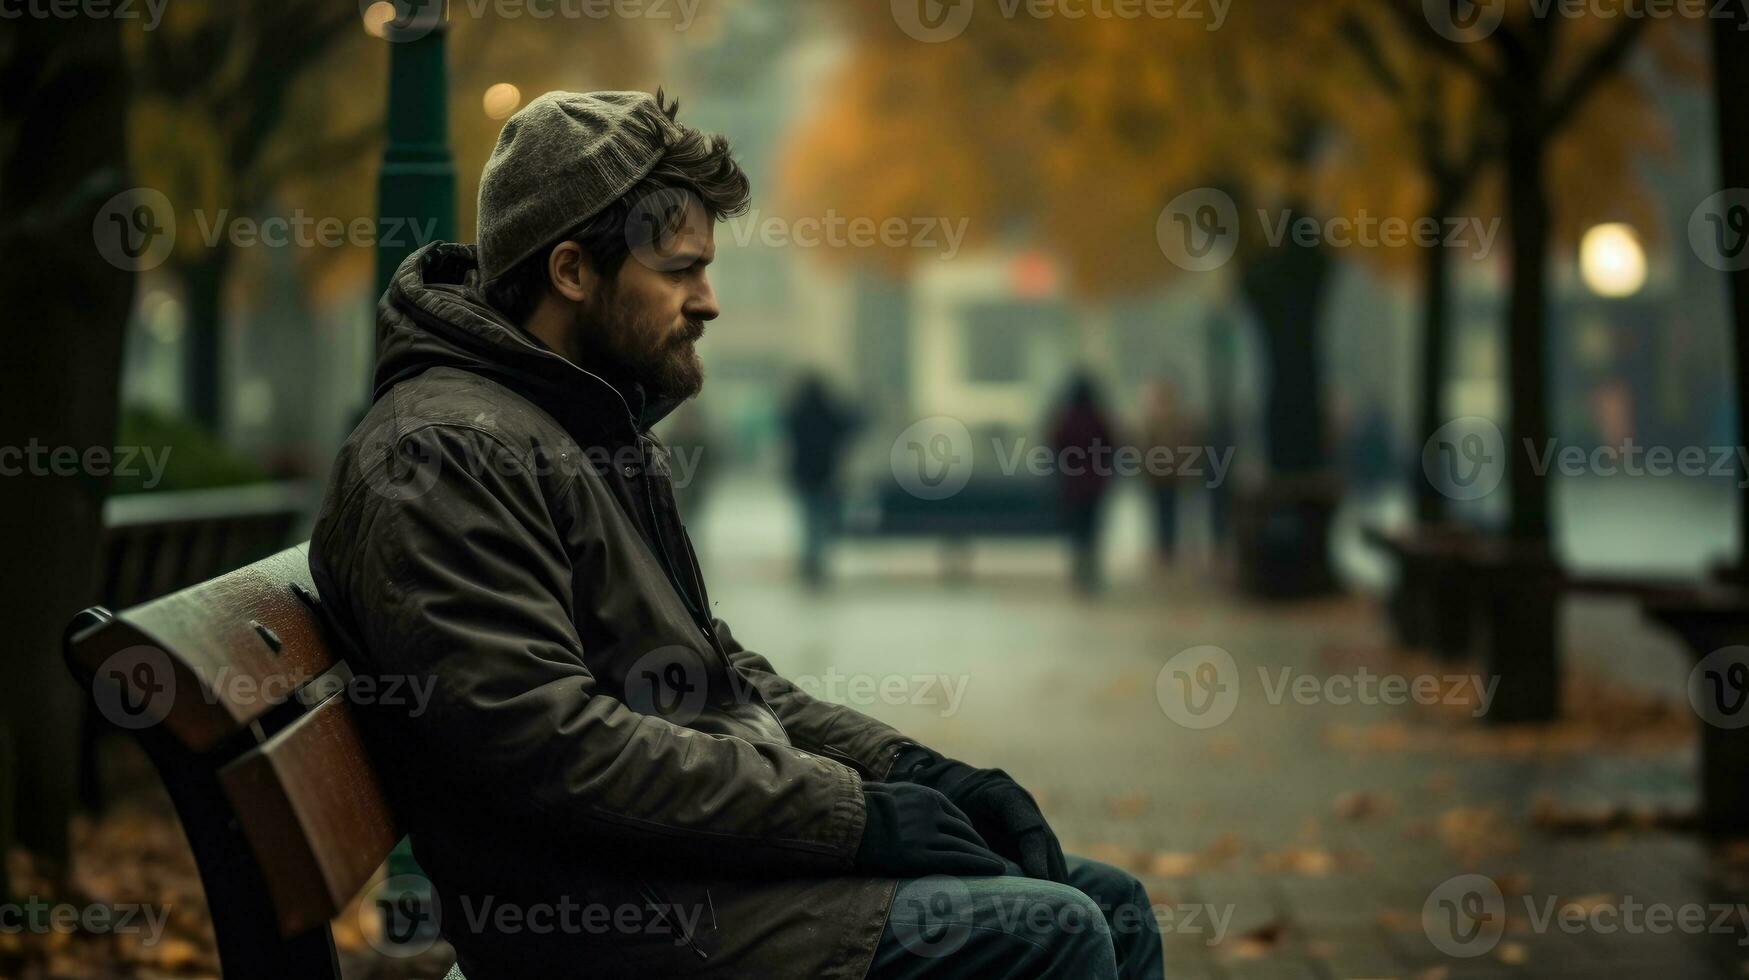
1317	803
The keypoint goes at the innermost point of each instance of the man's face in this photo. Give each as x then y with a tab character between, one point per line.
643	323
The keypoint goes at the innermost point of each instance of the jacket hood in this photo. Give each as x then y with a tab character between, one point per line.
434	315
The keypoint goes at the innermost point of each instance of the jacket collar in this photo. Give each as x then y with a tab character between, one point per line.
433	314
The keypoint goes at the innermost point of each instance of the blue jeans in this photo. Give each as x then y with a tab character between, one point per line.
1099	926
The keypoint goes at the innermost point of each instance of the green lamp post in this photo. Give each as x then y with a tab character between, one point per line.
417	187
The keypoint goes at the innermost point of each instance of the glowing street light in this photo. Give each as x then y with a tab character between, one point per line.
377	18
1612	261
501	100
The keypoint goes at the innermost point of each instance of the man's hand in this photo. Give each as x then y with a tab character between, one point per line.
914	831
999	807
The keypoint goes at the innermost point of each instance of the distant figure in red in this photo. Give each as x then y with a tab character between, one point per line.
1083	443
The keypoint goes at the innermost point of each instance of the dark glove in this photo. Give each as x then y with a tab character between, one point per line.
914	831
1000	808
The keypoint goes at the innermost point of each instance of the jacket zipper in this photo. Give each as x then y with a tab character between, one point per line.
699	619
659	903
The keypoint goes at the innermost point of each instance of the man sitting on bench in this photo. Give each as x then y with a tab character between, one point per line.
606	782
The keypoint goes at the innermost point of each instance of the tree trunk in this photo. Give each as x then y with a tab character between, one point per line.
203	345
1435	315
68	305
1731	85
1285	289
1527	216
1283	530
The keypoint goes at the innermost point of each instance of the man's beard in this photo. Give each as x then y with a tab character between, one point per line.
627	350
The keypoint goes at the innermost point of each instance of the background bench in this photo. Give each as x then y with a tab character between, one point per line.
987	507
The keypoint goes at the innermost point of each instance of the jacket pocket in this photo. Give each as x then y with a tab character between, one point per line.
681	914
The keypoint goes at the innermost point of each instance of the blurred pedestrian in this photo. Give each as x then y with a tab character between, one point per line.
693	449
1167	430
820	428
1083	443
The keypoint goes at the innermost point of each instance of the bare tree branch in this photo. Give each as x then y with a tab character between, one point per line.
1462	55
1604	61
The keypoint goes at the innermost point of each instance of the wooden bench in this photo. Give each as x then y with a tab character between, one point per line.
155	543
233	689
1465	594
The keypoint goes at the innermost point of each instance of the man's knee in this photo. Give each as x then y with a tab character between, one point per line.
1135	932
1067	930
1106	885
997	927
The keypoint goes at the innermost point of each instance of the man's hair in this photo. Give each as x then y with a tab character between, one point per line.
699	164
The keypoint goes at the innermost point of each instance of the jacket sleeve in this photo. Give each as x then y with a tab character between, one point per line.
475	599
820	726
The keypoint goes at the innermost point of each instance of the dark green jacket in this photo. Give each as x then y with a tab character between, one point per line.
501	523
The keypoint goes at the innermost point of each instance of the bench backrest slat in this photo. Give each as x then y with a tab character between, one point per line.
262	756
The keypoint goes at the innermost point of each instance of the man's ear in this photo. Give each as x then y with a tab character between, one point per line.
570	273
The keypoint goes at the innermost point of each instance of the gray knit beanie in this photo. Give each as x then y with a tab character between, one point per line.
558	162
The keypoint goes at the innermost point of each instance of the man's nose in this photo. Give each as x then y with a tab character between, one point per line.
702	304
